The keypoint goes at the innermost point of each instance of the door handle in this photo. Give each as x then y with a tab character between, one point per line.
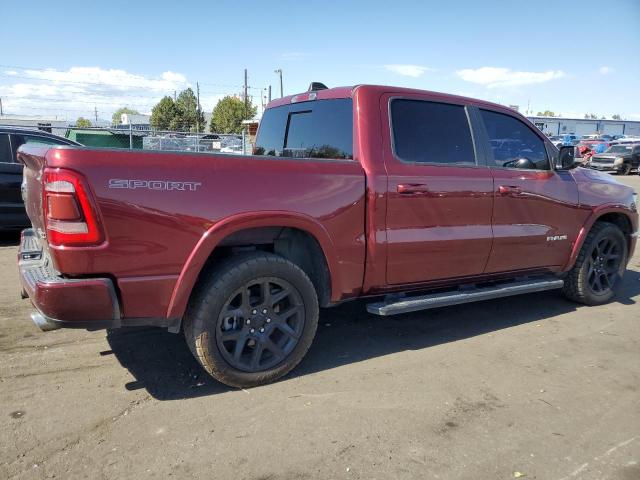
509	190
412	188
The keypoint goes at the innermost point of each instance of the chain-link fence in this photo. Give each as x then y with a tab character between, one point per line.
132	137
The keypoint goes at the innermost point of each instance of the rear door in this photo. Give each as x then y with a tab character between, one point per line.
536	216
438	222
12	214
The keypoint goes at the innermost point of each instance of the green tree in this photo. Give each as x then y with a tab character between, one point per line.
590	115
190	115
229	113
616	116
546	113
164	115
115	118
83	122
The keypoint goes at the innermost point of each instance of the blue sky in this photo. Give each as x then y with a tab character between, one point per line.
571	57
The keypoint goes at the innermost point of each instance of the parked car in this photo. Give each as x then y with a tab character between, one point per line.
597	145
412	200
12	213
626	140
564	140
620	159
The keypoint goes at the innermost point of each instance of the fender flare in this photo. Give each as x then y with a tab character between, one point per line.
227	226
588	224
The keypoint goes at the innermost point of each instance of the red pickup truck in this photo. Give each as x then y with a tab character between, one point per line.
415	199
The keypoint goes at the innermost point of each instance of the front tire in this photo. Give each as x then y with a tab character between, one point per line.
252	320
599	267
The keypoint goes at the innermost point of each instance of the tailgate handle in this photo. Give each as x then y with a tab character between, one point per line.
412	188
509	190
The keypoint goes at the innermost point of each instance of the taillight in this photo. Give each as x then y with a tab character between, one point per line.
70	218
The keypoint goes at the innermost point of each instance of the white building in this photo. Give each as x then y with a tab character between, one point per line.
137	120
585	126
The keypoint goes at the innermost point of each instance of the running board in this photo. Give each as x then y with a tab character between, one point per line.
463	295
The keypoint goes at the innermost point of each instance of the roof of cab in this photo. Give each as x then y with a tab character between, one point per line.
347	92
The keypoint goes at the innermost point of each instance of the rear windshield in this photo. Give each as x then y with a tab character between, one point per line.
315	129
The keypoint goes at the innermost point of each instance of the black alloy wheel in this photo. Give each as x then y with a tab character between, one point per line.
252	319
260	324
603	265
599	267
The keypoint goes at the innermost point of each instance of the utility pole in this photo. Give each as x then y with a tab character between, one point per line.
95	109
198	114
1	106
174	96
269	93
246	98
279	72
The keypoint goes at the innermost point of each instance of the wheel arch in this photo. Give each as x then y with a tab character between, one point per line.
617	215
290	233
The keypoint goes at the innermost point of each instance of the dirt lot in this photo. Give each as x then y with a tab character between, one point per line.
531	384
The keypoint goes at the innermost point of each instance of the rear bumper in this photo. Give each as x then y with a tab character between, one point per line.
64	302
60	302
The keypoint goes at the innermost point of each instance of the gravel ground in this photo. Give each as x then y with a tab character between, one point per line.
531	385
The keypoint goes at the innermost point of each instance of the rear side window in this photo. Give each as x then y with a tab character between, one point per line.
315	129
429	132
41	140
5	149
513	143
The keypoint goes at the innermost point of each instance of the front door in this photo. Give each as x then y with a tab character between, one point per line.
438	221
536	216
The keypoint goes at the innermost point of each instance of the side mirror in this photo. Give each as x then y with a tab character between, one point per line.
566	158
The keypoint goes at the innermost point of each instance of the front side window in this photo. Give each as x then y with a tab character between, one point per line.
314	129
5	149
430	132
513	143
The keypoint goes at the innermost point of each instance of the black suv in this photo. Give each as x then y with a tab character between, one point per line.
12	213
620	158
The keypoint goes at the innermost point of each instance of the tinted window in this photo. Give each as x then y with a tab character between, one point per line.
315	129
5	149
428	132
19	140
512	141
41	140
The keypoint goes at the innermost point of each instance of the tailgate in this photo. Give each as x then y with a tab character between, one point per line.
32	156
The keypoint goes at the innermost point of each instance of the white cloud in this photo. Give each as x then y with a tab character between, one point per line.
78	90
116	78
604	70
13	73
492	77
407	70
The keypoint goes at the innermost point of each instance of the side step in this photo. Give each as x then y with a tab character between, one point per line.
463	295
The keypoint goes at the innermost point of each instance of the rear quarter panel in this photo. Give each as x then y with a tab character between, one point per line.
158	240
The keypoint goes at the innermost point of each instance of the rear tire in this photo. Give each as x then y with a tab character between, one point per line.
599	267
252	320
